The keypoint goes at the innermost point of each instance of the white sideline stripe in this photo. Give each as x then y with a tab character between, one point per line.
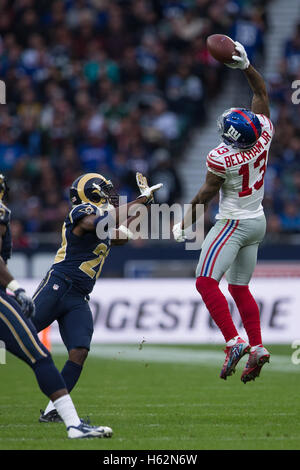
175	355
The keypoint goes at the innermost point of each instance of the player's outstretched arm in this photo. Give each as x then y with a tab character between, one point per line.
146	197
260	100
207	192
118	217
7	281
118	214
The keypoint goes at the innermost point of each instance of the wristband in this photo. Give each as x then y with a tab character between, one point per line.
13	285
148	201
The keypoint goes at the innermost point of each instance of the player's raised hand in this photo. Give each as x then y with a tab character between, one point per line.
241	61
141	181
144	188
26	302
178	233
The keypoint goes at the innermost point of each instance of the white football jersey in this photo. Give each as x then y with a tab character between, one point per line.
242	192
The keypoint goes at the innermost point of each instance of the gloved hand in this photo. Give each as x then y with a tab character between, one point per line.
178	233
241	61
26	302
144	188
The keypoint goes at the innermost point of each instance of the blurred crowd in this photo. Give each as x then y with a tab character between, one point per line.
117	86
282	201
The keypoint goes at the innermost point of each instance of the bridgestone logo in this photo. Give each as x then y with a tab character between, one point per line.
2	92
233	133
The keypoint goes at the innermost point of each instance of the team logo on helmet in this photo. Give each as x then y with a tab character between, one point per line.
93	188
233	133
239	127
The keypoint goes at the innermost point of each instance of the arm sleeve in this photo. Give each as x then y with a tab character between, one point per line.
215	166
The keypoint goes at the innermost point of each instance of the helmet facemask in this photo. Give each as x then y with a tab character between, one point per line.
95	189
104	193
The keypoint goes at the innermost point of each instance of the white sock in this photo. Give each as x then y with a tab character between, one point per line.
50	407
67	411
232	341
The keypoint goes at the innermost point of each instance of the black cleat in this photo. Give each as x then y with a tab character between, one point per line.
51	417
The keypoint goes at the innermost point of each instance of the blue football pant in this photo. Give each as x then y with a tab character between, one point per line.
20	338
57	299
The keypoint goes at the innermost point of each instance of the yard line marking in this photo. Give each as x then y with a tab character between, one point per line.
175	355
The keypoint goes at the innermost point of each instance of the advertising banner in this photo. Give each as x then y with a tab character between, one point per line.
172	311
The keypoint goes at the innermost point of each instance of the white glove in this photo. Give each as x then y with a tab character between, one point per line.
241	61
144	188
178	233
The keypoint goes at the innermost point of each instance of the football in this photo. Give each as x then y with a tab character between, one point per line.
221	47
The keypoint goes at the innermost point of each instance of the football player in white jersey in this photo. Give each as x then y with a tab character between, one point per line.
236	170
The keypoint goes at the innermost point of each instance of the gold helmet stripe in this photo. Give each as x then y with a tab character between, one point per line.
83	181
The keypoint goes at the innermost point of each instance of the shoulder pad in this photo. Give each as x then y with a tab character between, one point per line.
215	164
80	211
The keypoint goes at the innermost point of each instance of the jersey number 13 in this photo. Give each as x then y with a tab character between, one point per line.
245	171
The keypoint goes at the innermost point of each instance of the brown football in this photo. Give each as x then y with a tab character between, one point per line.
221	47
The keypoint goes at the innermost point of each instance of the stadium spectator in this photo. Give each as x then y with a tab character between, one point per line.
103	85
283	176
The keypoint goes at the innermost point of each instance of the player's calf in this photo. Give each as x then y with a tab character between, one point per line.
217	305
78	355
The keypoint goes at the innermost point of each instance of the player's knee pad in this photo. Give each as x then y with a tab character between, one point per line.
48	377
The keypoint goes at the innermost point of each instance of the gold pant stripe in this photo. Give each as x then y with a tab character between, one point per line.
17	338
20	319
43	285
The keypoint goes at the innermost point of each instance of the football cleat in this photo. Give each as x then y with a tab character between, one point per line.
233	355
54	417
257	358
84	431
51	417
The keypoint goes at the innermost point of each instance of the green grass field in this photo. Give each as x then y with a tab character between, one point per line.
160	398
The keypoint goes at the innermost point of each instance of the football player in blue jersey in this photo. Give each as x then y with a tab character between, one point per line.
63	294
20	337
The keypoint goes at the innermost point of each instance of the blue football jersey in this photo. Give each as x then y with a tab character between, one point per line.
81	258
6	239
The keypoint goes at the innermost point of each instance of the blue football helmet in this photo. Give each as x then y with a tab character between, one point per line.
239	127
94	188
